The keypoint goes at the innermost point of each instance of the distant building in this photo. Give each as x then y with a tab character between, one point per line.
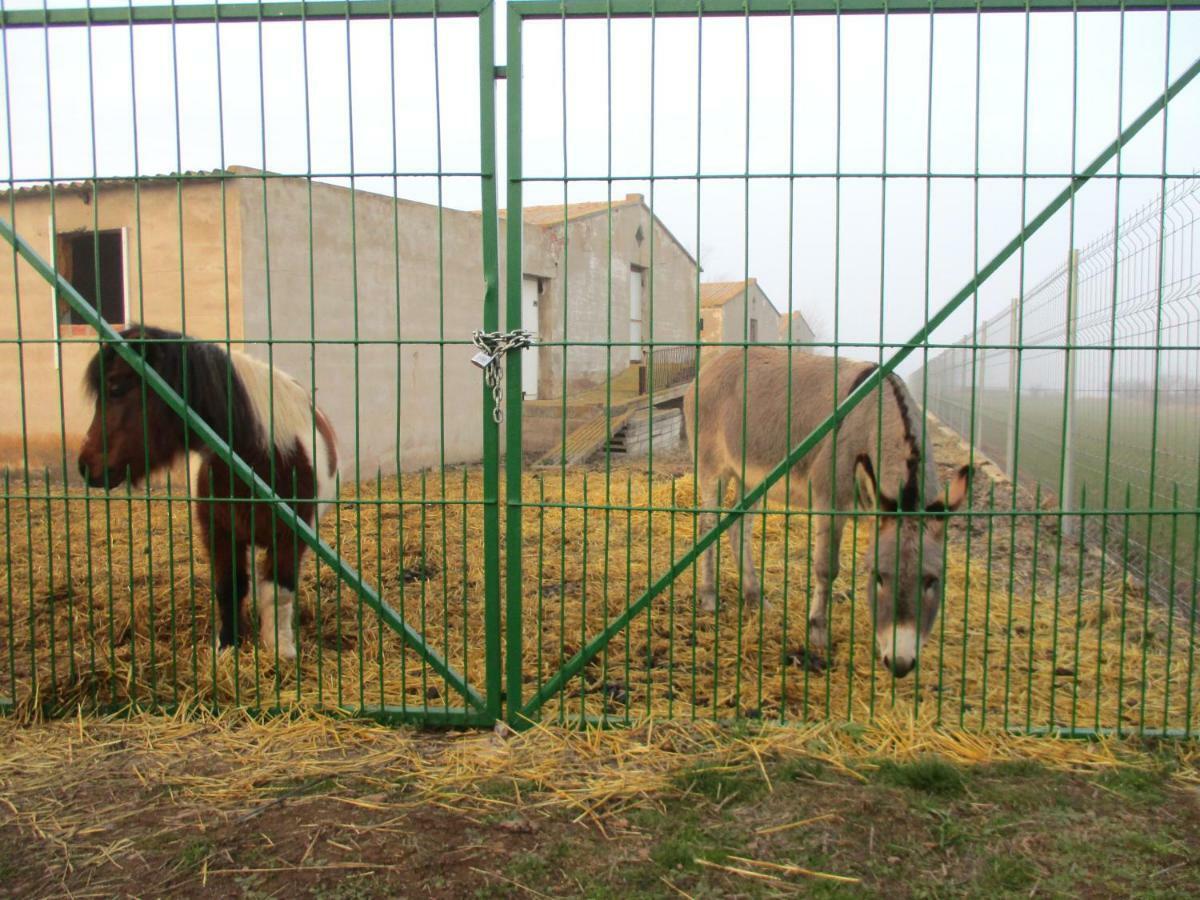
589	279
724	318
795	329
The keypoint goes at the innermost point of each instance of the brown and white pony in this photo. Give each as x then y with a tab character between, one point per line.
878	444
246	402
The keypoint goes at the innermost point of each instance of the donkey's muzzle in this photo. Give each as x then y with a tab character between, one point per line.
899	667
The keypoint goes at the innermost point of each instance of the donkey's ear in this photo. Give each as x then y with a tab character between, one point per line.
868	487
864	477
956	492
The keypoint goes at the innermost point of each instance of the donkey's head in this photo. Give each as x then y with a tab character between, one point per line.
133	430
905	562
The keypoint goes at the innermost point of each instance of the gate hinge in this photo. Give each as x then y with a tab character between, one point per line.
500	73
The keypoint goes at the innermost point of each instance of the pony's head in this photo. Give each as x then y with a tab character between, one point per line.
133	431
905	562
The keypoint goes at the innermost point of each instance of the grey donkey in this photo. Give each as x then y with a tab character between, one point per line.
878	445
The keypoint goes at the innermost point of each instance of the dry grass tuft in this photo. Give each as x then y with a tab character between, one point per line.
222	762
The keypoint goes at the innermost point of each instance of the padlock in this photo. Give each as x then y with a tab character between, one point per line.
482	359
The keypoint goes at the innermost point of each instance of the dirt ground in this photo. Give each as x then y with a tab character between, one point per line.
323	808
209	809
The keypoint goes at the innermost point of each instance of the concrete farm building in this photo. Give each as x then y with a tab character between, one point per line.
210	254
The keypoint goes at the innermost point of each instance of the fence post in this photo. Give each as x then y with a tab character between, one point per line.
1070	524
966	380
979	355
1014	360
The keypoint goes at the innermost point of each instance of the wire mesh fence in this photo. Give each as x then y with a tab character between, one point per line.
804	197
1089	387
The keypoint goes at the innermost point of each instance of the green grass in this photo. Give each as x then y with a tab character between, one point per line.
1139	785
1014	768
998	830
801	769
1007	873
679	851
507	788
542	863
682	833
930	776
529	866
720	784
360	889
195	853
1175	449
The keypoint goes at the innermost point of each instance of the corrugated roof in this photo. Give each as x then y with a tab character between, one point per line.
555	213
718	293
103	182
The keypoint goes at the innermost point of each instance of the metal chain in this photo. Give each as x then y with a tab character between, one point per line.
492	347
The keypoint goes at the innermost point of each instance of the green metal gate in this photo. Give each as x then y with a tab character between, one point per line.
361	658
646	652
599	621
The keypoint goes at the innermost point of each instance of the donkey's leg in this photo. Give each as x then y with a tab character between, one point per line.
753	515
826	546
231	573
741	541
709	499
277	594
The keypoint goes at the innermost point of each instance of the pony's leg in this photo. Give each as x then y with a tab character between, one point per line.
741	542
277	595
827	543
709	499
231	572
228	550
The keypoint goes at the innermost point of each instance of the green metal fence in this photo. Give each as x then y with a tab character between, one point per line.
1096	415
677	176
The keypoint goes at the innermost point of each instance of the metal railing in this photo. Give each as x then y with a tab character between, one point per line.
667	367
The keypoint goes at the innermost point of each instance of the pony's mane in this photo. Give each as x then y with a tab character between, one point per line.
202	373
263	401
